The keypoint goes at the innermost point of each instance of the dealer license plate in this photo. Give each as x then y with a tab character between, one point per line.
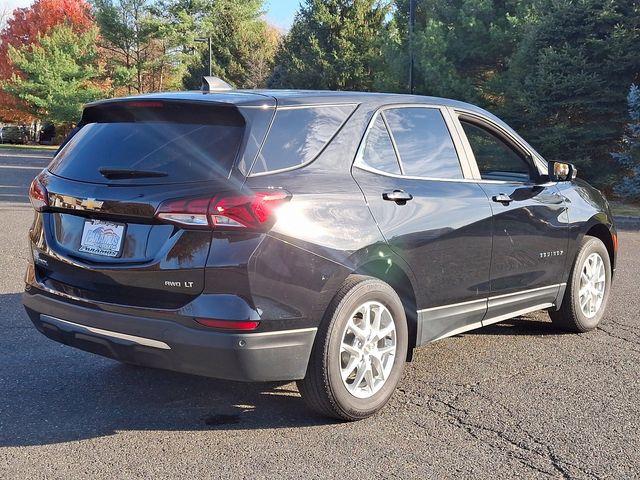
102	238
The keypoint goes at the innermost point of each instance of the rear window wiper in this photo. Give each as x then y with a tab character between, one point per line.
123	173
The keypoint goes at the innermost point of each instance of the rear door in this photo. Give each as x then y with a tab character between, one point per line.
437	220
99	240
530	233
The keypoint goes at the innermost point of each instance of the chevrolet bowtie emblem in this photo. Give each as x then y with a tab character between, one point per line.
91	204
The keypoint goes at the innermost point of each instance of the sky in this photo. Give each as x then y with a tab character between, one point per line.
278	12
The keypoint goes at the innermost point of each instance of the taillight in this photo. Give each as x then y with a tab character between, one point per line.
38	195
231	212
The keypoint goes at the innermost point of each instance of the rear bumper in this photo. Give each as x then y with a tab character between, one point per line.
268	356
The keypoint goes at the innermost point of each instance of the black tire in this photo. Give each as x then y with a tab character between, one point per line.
570	316
322	388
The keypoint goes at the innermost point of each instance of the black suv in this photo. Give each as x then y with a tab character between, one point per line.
270	235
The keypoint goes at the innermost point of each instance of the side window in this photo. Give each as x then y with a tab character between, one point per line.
378	150
298	134
496	159
424	143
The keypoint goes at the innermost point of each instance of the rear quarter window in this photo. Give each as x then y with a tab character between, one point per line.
298	134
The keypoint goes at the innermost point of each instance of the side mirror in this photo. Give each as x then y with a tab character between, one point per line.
562	172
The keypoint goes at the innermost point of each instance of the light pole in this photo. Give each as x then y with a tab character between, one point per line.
205	40
412	24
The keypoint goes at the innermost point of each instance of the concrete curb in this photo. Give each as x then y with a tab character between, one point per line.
624	222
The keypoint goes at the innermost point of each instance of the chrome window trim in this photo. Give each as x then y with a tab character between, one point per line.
460	153
411	177
371	169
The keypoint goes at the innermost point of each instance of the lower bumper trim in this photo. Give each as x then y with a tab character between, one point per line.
147	342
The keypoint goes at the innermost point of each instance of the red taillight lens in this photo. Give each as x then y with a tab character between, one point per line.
253	212
228	324
38	195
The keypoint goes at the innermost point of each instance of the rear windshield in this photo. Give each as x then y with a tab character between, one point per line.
152	142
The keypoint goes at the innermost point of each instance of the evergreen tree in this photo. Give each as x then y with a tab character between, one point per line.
333	44
243	44
126	35
629	158
564	87
57	74
460	46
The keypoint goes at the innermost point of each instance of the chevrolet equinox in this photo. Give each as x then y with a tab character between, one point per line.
316	236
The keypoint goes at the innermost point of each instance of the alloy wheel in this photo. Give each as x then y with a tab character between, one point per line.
368	349
592	285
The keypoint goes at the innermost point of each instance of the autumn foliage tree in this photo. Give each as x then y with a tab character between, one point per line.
25	28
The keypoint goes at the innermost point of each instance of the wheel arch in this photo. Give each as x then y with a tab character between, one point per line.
398	279
606	236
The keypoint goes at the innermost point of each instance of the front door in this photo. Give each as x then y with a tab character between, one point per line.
530	235
435	219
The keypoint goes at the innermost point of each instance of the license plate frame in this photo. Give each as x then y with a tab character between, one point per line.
102	238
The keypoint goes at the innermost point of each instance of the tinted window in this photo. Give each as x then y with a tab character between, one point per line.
424	143
170	142
495	158
297	135
378	151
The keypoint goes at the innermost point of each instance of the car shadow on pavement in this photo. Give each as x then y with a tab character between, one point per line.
51	393
521	326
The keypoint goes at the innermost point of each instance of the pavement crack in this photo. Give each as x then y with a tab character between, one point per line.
624	339
521	451
627	328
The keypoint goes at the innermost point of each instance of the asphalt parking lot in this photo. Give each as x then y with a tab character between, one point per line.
515	399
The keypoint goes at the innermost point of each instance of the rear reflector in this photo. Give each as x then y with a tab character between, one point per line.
228	324
38	195
230	212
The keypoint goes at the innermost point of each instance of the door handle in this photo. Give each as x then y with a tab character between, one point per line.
399	196
502	198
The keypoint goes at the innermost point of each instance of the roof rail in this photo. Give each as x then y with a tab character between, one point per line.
214	84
